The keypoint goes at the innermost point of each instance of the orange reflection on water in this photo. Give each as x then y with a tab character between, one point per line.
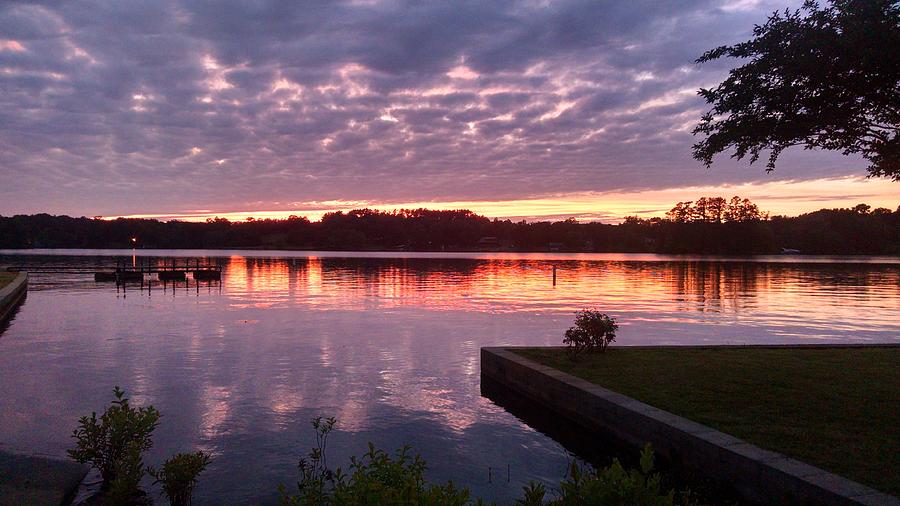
270	279
505	285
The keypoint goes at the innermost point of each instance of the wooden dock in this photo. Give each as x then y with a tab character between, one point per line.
165	270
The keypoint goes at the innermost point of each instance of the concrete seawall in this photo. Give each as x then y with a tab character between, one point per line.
760	476
12	294
34	479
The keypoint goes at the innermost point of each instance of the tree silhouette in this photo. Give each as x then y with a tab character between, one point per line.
712	225
816	77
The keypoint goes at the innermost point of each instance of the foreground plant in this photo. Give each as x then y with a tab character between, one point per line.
593	331
115	444
379	478
613	485
125	488
178	476
376	478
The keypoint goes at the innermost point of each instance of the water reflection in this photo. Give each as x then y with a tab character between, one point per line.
509	286
387	345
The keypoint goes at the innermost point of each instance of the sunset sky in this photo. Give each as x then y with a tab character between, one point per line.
534	109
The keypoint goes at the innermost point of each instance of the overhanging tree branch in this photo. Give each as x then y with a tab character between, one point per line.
826	78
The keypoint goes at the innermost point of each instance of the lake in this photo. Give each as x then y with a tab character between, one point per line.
388	343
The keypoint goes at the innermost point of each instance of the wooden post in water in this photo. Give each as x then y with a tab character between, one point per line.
554	275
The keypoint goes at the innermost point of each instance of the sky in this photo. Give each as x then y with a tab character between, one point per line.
520	109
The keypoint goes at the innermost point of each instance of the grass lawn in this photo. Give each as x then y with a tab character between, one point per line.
835	408
7	277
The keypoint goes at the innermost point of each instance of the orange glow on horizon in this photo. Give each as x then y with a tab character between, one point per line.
778	198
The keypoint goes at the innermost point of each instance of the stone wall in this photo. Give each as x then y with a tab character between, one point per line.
12	294
759	476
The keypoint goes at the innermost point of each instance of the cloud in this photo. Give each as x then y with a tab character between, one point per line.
132	107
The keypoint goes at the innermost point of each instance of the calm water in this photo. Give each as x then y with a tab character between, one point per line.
387	343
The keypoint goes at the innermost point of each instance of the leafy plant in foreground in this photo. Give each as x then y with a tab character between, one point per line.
178	476
315	477
115	443
125	487
593	331
613	485
379	478
376	478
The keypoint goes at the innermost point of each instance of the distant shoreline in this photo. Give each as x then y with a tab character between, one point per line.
742	231
457	254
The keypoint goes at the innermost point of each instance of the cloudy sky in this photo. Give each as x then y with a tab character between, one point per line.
522	109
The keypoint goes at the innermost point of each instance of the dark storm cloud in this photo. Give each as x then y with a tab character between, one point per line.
124	107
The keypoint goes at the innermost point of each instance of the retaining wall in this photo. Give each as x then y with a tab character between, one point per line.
760	476
12	294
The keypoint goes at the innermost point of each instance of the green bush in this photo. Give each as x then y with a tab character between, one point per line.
178	476
613	486
115	444
125	488
593	331
376	478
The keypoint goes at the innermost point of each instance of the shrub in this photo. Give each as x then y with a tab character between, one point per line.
115	444
613	485
315	477
576	341
125	487
593	331
178	476
533	494
376	478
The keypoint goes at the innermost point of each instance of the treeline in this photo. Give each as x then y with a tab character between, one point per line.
709	225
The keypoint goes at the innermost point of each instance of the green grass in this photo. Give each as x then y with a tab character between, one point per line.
835	408
7	277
